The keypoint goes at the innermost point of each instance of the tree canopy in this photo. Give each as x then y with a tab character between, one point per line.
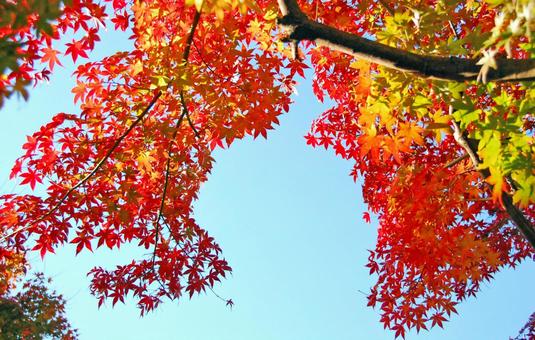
34	311
432	101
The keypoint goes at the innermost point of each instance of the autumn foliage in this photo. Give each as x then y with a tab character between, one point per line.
34	311
445	165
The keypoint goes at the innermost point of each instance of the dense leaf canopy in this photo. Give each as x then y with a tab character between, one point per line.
433	101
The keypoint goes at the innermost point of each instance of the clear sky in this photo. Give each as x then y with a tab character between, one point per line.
289	220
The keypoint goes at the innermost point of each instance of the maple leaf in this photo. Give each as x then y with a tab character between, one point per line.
440	125
145	160
16	169
136	68
121	21
371	143
437	319
81	242
50	56
76	49
30	177
411	133
487	62
496	180
79	91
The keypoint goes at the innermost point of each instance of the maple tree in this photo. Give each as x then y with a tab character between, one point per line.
33	312
433	101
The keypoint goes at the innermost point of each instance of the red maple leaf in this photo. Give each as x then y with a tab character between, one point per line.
50	56
76	49
30	177
229	303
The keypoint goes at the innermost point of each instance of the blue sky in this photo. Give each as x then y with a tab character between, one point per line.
288	218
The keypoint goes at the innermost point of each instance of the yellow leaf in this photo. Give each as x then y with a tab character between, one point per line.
270	15
136	68
411	133
440	125
144	161
496	180
361	65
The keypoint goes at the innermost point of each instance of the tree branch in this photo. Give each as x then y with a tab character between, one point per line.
456	161
389	9
185	113
93	172
521	222
301	27
165	186
103	160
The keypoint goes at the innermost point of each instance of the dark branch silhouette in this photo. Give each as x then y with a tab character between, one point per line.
301	27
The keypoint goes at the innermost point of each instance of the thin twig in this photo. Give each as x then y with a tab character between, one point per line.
463	142
295	50
386	6
165	186
361	292
93	172
478	199
227	301
186	111
498	225
189	40
220	297
162	286
185	57
453	30
456	161
214	73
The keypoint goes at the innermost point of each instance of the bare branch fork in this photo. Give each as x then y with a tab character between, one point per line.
301	27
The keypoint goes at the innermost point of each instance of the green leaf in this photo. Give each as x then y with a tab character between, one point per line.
456	89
